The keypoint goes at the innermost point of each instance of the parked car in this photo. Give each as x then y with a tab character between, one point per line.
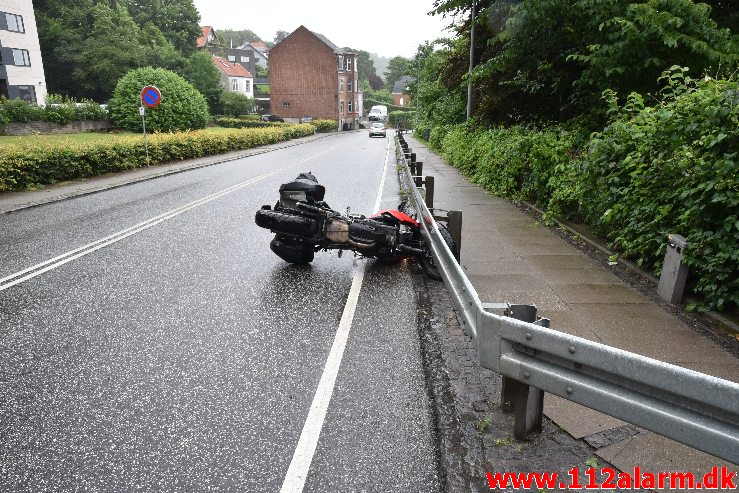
271	118
306	119
378	129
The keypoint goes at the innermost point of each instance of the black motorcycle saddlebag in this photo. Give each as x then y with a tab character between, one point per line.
304	188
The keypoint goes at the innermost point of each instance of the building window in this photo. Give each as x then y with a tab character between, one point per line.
349	103
20	57
401	102
341	85
235	85
285	104
12	22
27	93
231	58
244	59
248	85
341	107
350	85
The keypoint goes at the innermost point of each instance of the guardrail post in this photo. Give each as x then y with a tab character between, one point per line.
454	225
429	183
526	401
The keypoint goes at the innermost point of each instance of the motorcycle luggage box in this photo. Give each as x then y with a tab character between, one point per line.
304	188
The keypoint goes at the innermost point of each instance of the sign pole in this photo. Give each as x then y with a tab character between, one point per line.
142	112
150	98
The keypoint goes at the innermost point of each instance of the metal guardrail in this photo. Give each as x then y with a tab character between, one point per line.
698	410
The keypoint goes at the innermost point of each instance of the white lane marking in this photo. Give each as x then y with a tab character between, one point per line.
297	473
38	269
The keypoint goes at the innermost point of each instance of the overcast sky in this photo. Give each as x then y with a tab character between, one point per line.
386	27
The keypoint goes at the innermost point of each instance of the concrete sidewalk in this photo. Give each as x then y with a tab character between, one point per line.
510	257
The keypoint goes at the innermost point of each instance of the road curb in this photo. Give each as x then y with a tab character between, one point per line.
154	175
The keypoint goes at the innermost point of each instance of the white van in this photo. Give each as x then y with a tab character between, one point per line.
378	113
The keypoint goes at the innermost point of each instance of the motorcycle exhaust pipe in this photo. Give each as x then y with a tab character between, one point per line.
414	251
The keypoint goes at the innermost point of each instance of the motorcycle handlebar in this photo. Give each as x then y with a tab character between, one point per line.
309	208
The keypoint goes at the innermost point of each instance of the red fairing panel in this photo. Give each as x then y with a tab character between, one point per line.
403	218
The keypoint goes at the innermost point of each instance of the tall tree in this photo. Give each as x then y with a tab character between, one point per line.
178	20
280	35
396	68
206	78
110	50
237	37
365	65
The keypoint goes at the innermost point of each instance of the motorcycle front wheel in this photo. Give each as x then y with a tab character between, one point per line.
427	261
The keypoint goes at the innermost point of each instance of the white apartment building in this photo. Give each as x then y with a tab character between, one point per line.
21	68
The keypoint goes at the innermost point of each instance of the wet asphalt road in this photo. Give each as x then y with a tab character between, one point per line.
185	357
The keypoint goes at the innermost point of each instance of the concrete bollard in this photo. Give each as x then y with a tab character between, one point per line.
674	272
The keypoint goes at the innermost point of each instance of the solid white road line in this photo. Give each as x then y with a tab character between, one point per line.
38	269
297	473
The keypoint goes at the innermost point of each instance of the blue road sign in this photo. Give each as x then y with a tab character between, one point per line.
151	97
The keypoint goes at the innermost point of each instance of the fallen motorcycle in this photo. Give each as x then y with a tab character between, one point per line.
304	224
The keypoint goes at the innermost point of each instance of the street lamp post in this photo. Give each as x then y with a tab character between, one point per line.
472	52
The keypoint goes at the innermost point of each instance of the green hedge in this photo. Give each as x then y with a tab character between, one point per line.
57	110
25	166
229	122
671	168
404	116
323	126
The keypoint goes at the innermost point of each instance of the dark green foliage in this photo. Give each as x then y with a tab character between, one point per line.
396	69
654	170
402	117
234	104
673	168
182	106
206	78
365	65
177	20
636	45
87	45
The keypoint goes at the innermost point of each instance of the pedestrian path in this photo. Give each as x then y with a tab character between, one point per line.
509	257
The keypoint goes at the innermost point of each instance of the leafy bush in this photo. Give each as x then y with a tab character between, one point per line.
324	126
234	104
401	116
182	106
57	110
20	111
673	168
24	166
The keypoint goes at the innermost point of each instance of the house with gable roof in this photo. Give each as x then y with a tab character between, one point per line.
234	77
400	96
311	76
208	40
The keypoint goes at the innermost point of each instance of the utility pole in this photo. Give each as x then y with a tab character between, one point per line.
472	52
